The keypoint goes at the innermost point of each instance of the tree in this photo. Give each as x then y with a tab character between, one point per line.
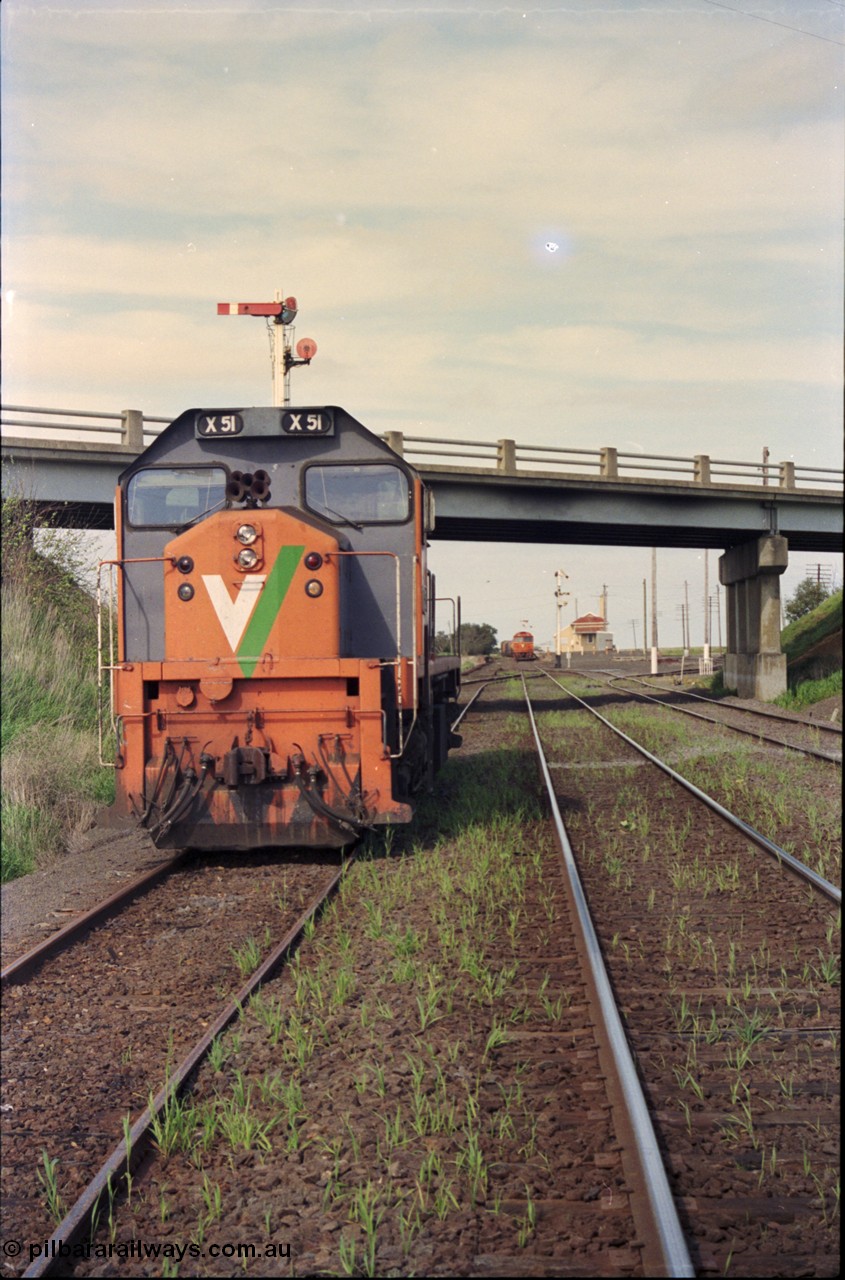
476	637
808	596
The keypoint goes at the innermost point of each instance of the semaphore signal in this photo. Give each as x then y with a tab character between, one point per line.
280	315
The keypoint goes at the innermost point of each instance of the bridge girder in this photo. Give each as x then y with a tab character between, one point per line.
477	506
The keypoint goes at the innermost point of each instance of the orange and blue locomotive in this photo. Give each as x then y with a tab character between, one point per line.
522	646
273	681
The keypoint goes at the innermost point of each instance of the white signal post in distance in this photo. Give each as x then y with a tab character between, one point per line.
279	315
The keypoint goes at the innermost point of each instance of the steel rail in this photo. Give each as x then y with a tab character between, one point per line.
465	709
751	711
19	970
676	1258
750	832
736	728
128	1153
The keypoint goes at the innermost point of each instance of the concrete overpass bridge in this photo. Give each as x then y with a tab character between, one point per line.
505	491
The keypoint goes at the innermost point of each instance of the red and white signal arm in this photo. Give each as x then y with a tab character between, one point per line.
288	307
306	348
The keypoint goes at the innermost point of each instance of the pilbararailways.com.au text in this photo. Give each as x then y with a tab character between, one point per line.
140	1249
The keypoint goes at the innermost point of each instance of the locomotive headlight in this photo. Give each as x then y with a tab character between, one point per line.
313	588
246	534
248	558
186	591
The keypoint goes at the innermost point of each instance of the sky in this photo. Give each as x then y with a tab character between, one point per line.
402	169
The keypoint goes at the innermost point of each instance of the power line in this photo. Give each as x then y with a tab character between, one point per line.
771	21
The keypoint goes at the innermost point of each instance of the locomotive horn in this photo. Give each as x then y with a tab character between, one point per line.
260	487
235	488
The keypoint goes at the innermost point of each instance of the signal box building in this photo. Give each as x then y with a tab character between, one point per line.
588	635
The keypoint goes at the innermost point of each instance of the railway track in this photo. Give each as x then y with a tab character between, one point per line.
426	1087
77	929
794	733
94	1016
734	1023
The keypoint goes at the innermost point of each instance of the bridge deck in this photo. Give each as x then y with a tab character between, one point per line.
508	503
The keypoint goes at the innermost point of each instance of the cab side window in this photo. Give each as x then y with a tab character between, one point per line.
163	497
365	494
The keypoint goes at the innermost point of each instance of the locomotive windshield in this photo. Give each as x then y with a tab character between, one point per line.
372	494
166	496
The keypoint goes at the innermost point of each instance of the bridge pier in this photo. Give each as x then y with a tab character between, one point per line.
750	573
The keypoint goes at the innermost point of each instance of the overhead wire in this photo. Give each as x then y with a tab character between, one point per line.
772	22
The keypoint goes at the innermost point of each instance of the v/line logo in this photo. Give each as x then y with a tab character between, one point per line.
247	620
233	615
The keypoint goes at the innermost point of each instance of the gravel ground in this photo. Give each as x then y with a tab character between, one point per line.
330	1164
36	905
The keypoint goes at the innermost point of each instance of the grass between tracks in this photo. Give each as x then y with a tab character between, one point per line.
367	1073
374	1066
733	998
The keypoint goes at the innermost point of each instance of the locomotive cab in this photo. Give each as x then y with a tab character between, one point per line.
272	682
522	646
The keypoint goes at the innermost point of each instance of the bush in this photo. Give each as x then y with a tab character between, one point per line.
52	780
806	597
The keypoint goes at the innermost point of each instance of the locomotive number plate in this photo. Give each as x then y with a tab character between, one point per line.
219	424
308	422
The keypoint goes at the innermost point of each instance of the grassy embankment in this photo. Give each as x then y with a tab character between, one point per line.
813	648
52	782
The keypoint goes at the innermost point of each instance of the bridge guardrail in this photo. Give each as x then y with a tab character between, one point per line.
507	457
612	464
131	427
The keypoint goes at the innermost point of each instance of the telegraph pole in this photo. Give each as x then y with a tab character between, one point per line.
560	602
280	315
645	614
706	609
686	618
654	611
714	599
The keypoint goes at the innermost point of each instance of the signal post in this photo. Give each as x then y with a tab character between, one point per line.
280	315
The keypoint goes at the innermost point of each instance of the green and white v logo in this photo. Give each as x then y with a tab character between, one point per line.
248	619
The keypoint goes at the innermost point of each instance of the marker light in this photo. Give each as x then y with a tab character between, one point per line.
246	534
313	588
248	558
186	591
184	564
313	560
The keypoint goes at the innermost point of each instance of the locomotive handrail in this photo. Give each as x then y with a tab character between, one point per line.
505	456
112	664
397	661
456	632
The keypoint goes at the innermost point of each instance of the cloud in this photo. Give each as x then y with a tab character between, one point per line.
396	171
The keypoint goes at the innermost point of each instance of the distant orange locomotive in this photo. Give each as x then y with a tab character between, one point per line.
273	682
522	646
